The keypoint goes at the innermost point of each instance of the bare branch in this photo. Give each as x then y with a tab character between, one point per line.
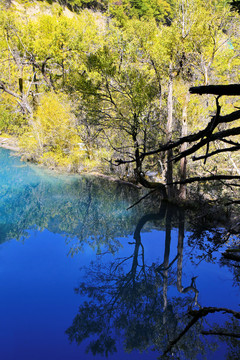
197	136
216	136
230	142
233	148
4	88
207	178
229	90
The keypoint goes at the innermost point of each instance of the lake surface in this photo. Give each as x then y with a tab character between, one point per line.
82	277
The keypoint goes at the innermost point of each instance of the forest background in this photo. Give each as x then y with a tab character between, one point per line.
103	86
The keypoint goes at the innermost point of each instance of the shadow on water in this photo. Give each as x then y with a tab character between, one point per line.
150	304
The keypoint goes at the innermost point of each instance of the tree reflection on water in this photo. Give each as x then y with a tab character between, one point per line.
129	298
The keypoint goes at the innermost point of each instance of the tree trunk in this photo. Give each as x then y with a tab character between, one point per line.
183	161
169	174
138	169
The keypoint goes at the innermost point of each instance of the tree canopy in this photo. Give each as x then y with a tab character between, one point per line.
104	86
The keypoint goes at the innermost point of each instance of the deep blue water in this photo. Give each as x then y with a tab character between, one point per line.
78	272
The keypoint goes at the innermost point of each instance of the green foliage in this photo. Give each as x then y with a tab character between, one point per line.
141	9
118	92
113	64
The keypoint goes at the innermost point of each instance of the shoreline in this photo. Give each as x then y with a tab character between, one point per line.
187	204
9	143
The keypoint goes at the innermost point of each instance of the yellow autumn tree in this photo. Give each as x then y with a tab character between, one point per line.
52	138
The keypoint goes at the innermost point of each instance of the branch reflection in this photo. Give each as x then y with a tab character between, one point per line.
129	298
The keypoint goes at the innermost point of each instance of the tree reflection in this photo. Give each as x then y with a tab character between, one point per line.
84	210
233	267
208	235
180	287
129	298
231	335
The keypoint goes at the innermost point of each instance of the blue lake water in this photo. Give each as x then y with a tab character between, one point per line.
82	277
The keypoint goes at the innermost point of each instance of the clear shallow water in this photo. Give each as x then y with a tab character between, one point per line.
72	268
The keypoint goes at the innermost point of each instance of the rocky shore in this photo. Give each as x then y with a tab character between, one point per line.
9	143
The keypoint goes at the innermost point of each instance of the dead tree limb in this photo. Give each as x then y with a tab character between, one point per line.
200	135
216	136
230	142
229	90
207	178
232	148
8	91
21	99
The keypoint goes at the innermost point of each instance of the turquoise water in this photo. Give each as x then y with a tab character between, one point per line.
83	278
